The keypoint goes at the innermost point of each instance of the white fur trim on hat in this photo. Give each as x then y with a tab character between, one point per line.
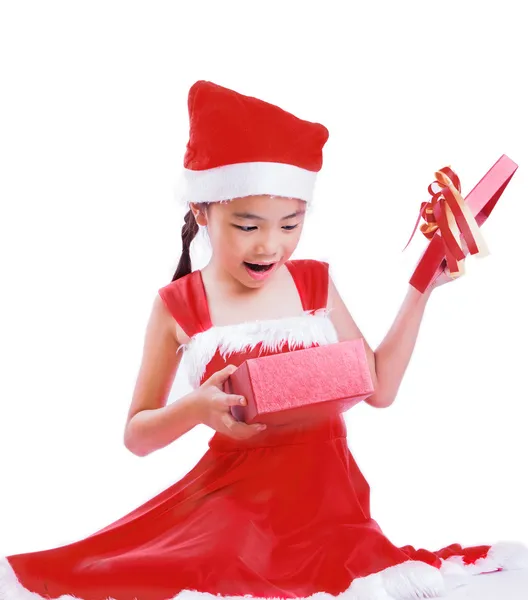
247	179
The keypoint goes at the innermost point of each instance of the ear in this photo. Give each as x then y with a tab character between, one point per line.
199	212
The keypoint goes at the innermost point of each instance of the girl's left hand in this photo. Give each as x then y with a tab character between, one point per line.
444	277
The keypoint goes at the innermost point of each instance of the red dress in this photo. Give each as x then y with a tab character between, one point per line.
285	514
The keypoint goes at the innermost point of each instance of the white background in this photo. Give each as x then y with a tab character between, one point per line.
94	125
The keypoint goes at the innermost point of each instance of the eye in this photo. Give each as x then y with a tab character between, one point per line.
244	227
248	228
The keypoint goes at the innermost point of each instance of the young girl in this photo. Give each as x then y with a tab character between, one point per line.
267	512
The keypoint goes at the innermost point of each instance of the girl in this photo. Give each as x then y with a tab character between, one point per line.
267	512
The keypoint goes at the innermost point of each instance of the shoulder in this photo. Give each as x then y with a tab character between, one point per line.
317	275
307	262
311	266
163	314
177	286
175	300
179	291
314	277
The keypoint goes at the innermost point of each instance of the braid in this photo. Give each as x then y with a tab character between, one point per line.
188	233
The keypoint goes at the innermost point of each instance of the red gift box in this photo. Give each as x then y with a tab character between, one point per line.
301	384
480	201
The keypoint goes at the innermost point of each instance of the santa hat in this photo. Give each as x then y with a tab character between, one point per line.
242	146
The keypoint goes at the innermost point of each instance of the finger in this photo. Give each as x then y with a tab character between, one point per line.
219	377
250	429
258	426
228	400
224	374
233	428
234	400
228	421
238	429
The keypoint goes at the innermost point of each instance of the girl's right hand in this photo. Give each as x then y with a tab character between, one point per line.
214	407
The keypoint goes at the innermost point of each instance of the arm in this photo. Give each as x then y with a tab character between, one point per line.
152	429
390	360
151	424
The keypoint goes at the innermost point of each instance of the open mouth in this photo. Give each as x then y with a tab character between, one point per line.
258	268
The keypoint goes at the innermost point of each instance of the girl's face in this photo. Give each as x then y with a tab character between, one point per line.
253	229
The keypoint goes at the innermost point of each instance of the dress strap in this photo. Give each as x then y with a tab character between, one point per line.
186	301
312	279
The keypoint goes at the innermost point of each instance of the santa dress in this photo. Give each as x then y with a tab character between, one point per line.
284	514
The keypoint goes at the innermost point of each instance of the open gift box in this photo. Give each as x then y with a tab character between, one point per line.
479	202
305	384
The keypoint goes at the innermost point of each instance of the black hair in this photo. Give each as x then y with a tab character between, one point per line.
188	233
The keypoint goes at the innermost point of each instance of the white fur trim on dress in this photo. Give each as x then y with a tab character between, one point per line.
247	179
509	556
312	327
411	580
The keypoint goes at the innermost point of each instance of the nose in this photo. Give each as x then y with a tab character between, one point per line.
268	246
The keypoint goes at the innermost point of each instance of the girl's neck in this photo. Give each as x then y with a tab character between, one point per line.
220	281
230	301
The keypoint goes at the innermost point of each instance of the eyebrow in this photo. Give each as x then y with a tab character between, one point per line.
253	217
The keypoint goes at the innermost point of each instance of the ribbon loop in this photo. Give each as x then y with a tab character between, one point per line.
447	215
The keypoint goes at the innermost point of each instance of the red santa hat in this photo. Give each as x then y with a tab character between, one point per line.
242	146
